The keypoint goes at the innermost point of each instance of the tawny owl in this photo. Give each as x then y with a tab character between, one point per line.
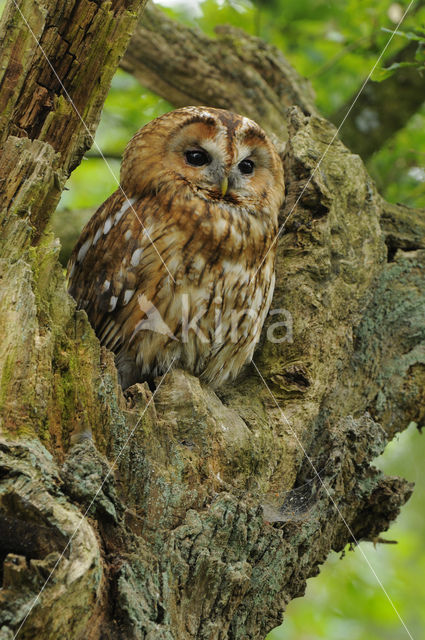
177	266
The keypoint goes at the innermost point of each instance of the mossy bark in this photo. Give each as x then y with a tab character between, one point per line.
50	365
194	514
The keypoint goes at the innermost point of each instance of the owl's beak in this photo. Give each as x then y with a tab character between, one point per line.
224	185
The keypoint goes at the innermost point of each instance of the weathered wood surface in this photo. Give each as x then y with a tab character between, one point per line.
49	358
212	518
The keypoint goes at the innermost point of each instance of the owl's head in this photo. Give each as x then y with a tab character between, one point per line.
214	153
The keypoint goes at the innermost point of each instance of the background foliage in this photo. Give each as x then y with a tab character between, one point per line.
334	43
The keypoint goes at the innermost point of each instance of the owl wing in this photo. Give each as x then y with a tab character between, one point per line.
115	262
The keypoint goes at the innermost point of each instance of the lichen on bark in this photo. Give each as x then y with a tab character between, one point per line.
194	514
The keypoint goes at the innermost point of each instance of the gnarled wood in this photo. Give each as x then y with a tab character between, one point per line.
203	513
58	60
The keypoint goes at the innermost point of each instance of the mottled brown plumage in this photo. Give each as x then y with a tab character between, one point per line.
178	263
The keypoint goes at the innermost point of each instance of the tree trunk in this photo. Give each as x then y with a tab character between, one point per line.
191	514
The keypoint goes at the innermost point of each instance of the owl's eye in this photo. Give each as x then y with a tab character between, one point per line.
246	166
197	157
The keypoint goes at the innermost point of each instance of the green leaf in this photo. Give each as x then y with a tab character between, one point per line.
410	35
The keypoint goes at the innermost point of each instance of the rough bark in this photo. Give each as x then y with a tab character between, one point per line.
48	355
233	71
404	227
204	516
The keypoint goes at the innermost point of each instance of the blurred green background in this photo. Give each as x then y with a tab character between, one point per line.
335	44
